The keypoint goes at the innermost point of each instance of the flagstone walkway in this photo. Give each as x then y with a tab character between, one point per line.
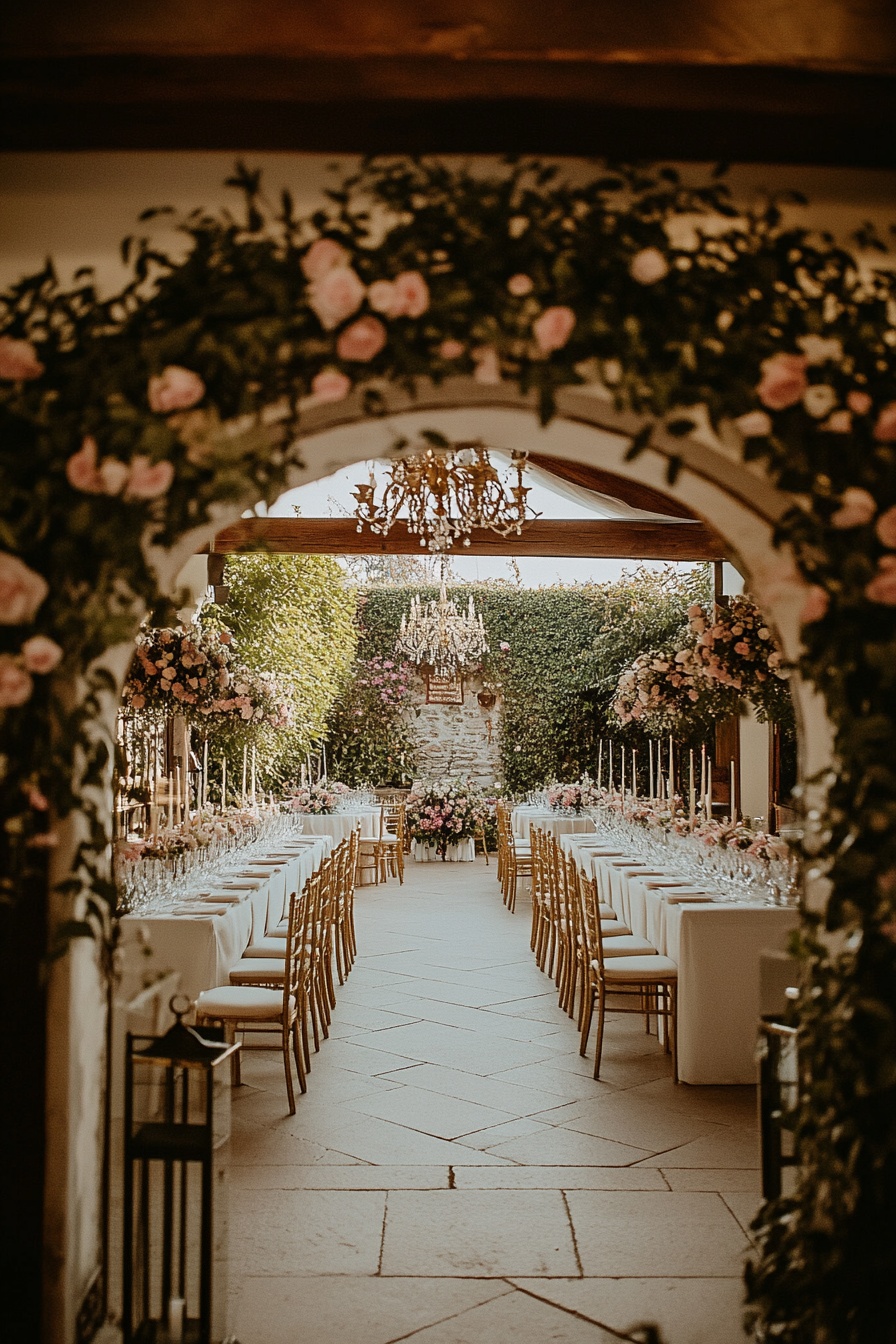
455	1175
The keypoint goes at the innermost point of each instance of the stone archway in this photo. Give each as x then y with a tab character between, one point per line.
740	503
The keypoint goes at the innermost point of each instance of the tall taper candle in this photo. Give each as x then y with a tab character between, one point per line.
610	769
692	793
703	775
671	771
243	797
253	775
622	771
733	794
708	803
223	781
650	749
205	773
634	775
600	761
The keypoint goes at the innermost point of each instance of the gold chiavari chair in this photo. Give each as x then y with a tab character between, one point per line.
344	932
390	847
516	860
479	838
617	937
650	979
541	896
268	1008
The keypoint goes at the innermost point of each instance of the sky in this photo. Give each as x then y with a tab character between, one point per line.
332	497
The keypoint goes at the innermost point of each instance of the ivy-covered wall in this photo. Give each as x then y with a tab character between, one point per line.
556	653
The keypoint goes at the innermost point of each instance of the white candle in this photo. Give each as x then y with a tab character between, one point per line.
703	771
600	761
622	770
254	755
324	750
223	781
243	799
671	772
170	782
650	750
177	795
176	1320
610	768
634	775
692	793
205	772
708	803
733	794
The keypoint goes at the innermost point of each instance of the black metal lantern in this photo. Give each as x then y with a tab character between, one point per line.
177	1125
778	1088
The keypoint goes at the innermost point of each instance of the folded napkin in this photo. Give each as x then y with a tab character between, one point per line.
246	885
219	897
688	897
200	910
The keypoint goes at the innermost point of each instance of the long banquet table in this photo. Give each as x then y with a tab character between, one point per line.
557	823
716	946
339	825
204	942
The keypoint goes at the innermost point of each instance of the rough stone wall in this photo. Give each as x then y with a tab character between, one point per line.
454	739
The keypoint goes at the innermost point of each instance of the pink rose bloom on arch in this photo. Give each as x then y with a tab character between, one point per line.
362	341
451	349
18	360
15	683
815	607
175	389
411	295
859	402
331	385
520	285
22	590
783	381
885	425
886	528
147	479
41	654
857	507
882	588
81	470
649	266
553	328
323	255
336	295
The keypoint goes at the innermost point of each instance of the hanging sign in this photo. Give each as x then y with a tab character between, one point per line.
444	690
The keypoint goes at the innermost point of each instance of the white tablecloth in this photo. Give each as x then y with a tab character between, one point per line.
339	825
557	823
463	852
716	946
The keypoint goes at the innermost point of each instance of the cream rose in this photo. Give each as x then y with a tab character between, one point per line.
323	255
175	389
819	399
41	654
754	425
22	590
520	285
648	266
336	295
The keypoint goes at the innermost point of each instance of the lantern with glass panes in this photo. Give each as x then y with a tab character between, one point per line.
177	1124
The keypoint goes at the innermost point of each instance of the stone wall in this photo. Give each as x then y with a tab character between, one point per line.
457	740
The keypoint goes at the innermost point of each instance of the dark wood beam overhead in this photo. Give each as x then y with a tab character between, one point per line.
581	538
809	81
636	494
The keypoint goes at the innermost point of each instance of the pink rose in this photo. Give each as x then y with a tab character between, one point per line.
648	266
754	425
742	647
840	422
331	385
336	295
18	360
815	605
381	297
362	340
175	389
323	255
885	425
783	381
488	366
886	528
451	349
81	469
411	295
147	479
859	403
22	590
882	587
520	285
553	328
856	509
41	654
15	683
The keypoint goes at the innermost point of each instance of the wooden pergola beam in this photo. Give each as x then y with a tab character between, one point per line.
573	537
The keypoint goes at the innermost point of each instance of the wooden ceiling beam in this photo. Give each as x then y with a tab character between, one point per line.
573	537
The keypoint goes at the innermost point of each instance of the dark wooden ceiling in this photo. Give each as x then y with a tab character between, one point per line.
807	81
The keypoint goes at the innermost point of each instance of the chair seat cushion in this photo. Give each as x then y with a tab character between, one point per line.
628	945
640	968
607	911
272	945
257	1005
610	928
258	968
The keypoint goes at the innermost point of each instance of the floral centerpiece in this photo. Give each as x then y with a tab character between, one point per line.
443	812
185	670
664	687
316	799
573	797
737	649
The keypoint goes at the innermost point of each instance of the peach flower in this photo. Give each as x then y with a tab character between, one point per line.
81	469
18	360
22	590
15	683
553	328
754	425
815	605
839	422
488	366
381	297
882	588
783	381
856	509
175	389
41	654
451	349
362	340
886	528
859	403
330	385
648	266
411	294
148	479
323	255
520	285
113	476
885	426
336	295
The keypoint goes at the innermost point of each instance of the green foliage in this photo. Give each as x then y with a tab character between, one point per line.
371	741
292	615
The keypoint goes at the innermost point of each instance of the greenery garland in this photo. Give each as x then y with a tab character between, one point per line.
128	420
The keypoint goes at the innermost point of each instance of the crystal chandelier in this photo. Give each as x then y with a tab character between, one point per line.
446	489
441	637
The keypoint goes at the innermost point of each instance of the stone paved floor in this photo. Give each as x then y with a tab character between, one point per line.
455	1175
